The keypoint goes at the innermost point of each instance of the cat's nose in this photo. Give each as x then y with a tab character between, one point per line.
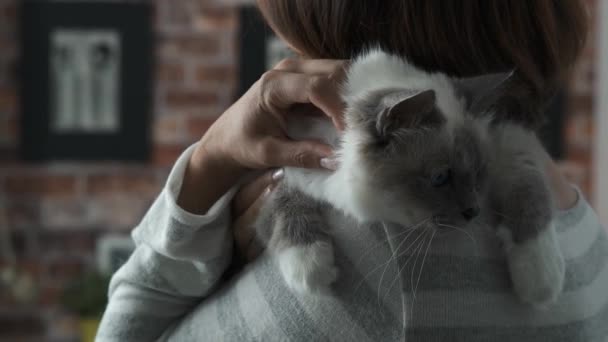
470	213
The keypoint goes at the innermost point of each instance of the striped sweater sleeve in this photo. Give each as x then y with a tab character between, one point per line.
178	259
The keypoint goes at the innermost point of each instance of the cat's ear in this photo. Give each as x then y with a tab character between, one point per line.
481	91
415	111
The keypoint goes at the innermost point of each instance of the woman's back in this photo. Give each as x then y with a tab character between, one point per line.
456	288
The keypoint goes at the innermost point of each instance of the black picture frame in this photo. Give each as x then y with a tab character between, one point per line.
259	48
133	22
253	34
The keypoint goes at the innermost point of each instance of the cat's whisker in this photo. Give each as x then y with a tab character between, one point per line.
421	234
405	239
392	257
413	256
461	230
423	260
396	250
404	251
409	258
378	244
409	231
419	249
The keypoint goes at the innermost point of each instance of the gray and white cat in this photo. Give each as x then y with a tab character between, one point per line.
416	147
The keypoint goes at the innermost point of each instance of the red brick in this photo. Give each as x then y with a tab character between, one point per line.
8	100
10	9
73	242
190	98
216	19
22	325
580	156
170	15
8	46
8	154
134	183
197	126
168	128
8	13
8	131
29	266
56	185
61	269
120	211
170	73
50	295
23	213
580	104
217	74
578	129
166	155
199	45
62	213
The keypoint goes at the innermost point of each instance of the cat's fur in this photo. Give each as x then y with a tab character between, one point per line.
406	132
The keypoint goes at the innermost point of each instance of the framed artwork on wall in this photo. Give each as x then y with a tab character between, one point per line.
260	49
87	80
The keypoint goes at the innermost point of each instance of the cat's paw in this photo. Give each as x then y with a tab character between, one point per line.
309	268
537	268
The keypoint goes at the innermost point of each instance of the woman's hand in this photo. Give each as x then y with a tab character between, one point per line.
251	134
245	208
564	195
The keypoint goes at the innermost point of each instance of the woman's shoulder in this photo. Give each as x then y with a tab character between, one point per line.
580	232
580	213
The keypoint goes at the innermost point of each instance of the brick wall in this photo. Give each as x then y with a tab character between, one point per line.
579	133
58	210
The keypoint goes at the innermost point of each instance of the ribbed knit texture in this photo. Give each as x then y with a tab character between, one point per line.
169	289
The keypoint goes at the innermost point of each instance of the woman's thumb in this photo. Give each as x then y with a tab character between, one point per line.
303	154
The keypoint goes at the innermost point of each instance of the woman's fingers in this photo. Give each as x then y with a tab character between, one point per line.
302	154
282	89
244	230
253	190
325	86
325	94
312	66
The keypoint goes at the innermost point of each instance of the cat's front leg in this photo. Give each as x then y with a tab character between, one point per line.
300	242
536	264
309	268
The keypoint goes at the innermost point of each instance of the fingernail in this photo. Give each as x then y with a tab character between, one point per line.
268	190
278	175
329	163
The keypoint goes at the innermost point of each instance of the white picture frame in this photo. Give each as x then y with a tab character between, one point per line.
85	80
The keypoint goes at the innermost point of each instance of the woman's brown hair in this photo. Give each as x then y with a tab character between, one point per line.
539	38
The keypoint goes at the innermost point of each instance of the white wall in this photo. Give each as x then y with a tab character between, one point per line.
601	116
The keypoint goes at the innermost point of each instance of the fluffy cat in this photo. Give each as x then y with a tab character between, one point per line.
418	145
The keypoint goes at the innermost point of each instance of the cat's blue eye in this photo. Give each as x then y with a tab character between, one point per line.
441	178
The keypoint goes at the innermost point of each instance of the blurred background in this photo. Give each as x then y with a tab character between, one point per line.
97	103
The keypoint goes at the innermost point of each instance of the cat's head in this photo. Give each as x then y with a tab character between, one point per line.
417	154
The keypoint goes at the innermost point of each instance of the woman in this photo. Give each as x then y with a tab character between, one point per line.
171	286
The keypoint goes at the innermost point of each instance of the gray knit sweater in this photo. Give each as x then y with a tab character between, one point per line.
170	288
